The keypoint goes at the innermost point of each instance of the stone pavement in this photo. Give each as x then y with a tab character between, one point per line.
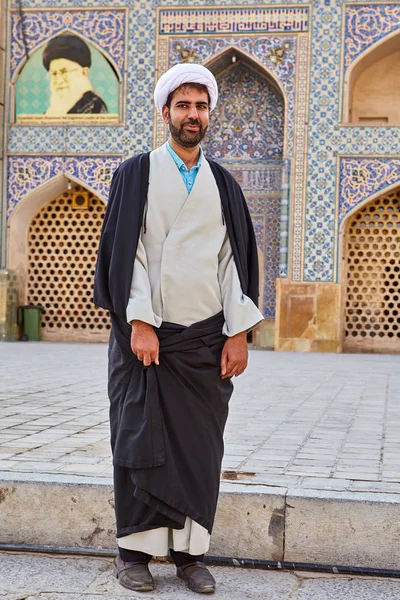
41	577
313	421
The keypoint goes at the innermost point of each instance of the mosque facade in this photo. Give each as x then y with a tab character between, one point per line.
307	122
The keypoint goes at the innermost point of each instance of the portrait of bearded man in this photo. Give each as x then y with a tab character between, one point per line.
67	58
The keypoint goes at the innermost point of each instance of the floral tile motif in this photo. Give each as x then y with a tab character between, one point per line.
203	49
26	173
360	178
242	127
367	24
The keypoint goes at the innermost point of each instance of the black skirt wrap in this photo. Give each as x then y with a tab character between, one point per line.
167	424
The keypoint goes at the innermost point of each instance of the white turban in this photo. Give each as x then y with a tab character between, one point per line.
185	73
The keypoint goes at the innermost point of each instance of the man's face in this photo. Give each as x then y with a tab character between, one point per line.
188	117
65	75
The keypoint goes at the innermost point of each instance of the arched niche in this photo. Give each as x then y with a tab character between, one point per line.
36	97
370	274
228	56
256	78
20	220
247	136
372	85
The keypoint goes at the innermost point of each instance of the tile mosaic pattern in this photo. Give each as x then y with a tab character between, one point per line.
361	178
198	21
314	194
26	173
298	168
262	184
97	139
242	126
367	24
261	49
285	214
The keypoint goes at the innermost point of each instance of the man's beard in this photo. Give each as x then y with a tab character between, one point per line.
187	139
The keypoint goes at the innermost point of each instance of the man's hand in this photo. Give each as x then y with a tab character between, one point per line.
234	355
144	343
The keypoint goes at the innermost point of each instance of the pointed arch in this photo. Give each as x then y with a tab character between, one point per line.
248	136
232	54
245	130
366	200
381	50
369	274
344	223
20	220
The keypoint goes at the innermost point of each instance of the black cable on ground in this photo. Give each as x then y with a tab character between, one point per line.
221	561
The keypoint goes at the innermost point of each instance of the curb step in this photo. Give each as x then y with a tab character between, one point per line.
253	521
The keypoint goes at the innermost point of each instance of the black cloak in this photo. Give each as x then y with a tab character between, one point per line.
123	221
89	103
167	421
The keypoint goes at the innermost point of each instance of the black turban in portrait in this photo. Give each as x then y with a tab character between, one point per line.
67	46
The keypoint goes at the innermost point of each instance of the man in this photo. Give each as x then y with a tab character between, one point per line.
67	58
177	268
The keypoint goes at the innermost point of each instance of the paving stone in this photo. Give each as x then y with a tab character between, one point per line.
292	415
26	574
61	578
349	589
322	483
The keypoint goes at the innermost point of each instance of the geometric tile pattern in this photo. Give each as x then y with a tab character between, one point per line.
295	170
320	195
27	173
361	177
365	24
284	225
71	139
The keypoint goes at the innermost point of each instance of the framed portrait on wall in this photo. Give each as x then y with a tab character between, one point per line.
67	79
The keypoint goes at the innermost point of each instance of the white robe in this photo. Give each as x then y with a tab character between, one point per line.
184	272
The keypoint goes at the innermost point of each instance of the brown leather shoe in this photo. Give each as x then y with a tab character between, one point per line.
197	578
134	576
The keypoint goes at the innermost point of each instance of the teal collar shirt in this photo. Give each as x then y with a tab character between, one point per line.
188	175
